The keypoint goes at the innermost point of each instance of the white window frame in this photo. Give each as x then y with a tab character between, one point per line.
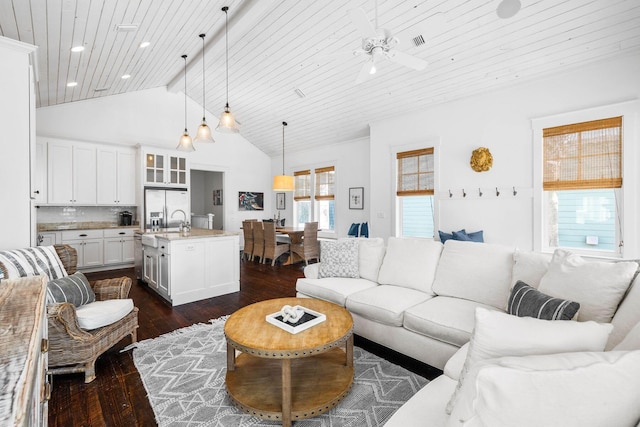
329	234
630	176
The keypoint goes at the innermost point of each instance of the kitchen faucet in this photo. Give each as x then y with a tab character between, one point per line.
184	224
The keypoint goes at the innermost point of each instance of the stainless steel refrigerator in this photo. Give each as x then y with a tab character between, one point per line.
166	208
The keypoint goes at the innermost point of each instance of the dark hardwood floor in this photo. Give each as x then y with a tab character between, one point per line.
117	398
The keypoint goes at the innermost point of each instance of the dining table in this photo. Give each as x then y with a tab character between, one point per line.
291	235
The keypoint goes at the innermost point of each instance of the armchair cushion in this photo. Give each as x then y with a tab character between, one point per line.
74	289
103	313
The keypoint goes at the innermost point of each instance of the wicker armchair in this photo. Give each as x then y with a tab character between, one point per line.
72	349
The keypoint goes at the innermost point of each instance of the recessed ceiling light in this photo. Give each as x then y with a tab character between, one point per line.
144	44
77	49
72	84
508	8
125	76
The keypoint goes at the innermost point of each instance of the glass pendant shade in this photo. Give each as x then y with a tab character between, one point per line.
204	133
185	143
283	183
227	122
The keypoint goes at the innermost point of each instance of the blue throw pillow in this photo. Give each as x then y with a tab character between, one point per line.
364	229
468	237
446	236
476	236
462	236
353	230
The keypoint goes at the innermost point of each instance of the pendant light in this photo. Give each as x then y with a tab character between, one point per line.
204	132
227	122
283	182
185	143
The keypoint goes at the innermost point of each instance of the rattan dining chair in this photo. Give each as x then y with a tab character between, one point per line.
247	231
309	247
272	248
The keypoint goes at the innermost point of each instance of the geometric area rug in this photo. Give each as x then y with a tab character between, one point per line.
184	371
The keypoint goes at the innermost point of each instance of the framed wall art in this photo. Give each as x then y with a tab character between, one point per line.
250	201
281	201
356	198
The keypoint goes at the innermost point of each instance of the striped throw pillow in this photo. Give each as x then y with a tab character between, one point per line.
526	301
74	289
36	261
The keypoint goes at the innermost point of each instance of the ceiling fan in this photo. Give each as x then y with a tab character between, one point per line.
379	44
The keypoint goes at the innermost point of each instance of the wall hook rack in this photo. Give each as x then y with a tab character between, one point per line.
480	192
514	191
463	193
497	192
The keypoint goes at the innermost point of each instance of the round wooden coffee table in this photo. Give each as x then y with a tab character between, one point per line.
283	376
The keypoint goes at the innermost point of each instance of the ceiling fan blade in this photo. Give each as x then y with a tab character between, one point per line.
362	23
407	60
365	72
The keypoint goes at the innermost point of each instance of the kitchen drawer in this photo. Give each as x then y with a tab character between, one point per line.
81	235
164	246
118	232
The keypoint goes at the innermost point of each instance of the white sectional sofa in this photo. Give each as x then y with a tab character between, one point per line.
420	298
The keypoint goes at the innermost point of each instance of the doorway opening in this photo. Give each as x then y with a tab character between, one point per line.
207	197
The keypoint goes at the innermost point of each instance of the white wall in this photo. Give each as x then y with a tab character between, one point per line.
351	160
155	117
501	121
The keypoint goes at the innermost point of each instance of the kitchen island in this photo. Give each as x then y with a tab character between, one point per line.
183	267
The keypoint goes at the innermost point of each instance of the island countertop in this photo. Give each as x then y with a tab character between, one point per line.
195	233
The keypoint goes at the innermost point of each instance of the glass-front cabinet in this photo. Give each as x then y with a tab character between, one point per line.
165	169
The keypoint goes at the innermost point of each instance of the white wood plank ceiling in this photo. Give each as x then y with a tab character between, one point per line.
276	47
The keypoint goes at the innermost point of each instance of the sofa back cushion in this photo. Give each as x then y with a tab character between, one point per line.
627	316
478	272
35	261
410	262
370	255
597	286
529	267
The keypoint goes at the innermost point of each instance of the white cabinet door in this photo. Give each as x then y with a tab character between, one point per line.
93	253
164	276
39	191
113	250
150	266
60	173
47	238
161	167
84	174
126	177
107	183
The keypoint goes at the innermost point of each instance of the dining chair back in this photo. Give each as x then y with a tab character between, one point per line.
258	240
247	231
272	248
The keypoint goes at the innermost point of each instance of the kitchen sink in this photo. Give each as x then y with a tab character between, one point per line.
149	240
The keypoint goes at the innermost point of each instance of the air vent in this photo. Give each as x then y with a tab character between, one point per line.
418	40
126	28
100	89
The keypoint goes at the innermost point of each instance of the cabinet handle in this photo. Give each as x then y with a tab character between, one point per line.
162	255
37	192
83	235
48	386
161	247
122	232
44	345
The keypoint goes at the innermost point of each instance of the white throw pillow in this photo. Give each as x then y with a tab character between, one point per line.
478	272
102	313
571	389
410	262
499	334
631	341
597	286
370	253
529	267
338	258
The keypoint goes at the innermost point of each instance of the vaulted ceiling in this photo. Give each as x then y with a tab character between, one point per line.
279	47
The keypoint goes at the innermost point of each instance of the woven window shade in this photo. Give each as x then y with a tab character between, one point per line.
415	172
584	155
325	184
302	185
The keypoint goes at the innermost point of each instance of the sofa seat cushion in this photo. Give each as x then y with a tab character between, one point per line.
385	303
410	262
426	407
478	272
332	289
102	313
444	318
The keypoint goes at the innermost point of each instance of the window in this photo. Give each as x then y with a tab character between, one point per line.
582	182
415	185
320	207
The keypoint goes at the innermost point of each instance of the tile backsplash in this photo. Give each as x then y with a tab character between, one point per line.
64	214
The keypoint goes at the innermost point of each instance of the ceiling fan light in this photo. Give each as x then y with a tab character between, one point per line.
283	183
508	8
227	122
204	133
185	143
373	68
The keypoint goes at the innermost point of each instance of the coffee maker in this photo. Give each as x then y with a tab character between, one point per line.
125	218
